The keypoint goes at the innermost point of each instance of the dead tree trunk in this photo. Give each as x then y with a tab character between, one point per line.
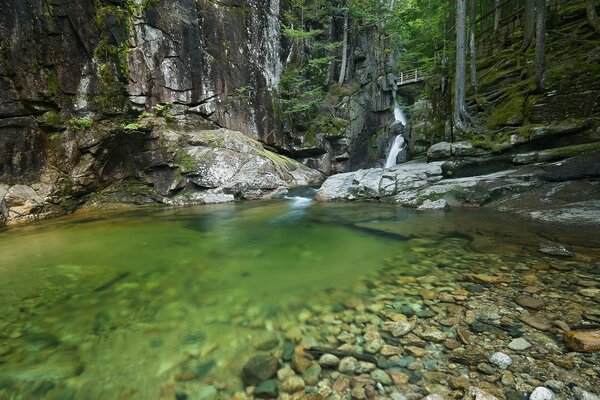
472	17
592	15
528	24
497	15
460	113
540	45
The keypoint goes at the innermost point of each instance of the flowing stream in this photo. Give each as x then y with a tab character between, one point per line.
123	305
399	142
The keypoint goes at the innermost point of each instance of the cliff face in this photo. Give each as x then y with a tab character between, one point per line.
110	58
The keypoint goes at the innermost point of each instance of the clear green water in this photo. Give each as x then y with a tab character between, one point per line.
112	305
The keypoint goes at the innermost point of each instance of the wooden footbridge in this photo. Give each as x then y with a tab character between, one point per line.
411	76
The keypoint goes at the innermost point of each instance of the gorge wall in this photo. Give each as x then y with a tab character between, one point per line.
87	86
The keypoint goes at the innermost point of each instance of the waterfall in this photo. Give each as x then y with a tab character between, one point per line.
398	112
397	147
399	141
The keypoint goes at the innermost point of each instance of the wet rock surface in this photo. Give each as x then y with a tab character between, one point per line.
173	164
528	191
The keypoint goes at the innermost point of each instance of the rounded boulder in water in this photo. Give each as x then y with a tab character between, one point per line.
542	393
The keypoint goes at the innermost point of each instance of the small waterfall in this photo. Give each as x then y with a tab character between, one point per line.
399	141
397	147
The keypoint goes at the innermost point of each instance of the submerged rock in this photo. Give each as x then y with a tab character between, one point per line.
583	341
259	368
554	249
501	360
541	393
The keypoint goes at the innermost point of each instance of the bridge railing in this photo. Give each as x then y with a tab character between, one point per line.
411	76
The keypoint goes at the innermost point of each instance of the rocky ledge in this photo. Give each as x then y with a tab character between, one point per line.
563	191
165	163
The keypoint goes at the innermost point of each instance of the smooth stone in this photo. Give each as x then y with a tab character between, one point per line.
382	377
501	360
581	394
407	311
582	341
329	360
398	328
288	351
434	397
589	292
488	279
463	335
348	365
433	335
206	393
428	313
529	302
519	344
474	393
555	385
259	368
292	384
266	341
536	322
267	390
312	374
555	249
485	368
541	393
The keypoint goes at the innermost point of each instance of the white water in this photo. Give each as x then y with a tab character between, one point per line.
399	114
397	147
399	141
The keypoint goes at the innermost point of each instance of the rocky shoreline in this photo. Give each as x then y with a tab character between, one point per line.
564	191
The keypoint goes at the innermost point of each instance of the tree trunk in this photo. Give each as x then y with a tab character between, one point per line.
528	24
473	57
497	15
540	45
344	52
460	83
331	69
592	15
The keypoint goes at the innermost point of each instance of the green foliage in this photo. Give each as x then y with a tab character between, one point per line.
133	127
80	124
162	110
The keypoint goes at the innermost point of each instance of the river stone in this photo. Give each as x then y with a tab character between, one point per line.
382	377
267	390
474	393
292	384
501	360
519	344
529	302
372	342
311	376
432	205
470	356
555	250
536	322
589	292
434	397
398	328
259	368
489	279
541	393
348	365
581	394
433	335
582	341
329	360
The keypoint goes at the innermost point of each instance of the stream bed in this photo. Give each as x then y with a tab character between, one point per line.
172	303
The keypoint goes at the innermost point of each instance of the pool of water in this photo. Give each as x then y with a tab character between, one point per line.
120	304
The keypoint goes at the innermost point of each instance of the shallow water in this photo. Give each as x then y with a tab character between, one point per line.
117	304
